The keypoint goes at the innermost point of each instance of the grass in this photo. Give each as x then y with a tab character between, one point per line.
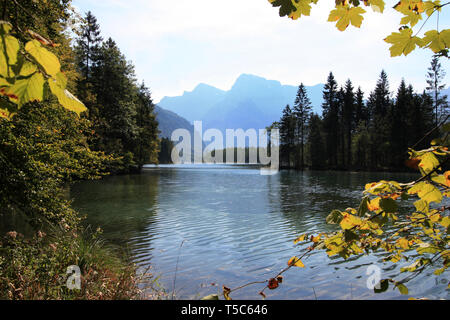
35	268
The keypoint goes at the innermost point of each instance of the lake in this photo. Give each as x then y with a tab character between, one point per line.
229	225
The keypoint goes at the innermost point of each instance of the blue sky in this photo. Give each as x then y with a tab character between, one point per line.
178	44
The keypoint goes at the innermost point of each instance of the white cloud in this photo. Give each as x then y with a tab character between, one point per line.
176	45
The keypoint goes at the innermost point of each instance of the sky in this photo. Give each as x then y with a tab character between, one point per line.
175	45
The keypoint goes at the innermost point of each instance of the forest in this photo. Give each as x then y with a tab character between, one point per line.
354	133
44	148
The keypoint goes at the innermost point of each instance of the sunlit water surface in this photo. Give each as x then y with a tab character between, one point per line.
207	225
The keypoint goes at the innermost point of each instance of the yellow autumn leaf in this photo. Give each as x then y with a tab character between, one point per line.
402	42
349	221
300	238
403	243
302	7
426	191
344	15
376	5
26	90
45	58
374	204
436	41
295	262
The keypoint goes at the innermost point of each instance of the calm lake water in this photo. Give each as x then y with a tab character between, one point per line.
229	225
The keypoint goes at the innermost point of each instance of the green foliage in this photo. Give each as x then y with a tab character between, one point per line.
41	149
354	134
403	42
122	111
25	73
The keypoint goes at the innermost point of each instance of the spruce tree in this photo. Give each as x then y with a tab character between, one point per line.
379	104
287	135
88	45
147	141
330	117
434	79
348	120
302	111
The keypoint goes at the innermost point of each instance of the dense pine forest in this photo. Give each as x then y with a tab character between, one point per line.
354	133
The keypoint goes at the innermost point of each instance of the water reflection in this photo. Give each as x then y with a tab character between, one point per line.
236	226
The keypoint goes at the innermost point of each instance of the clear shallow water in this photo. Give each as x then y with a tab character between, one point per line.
229	225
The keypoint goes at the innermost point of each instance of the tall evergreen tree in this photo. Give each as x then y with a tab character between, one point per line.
434	79
361	113
115	90
331	120
379	104
147	141
348	120
399	130
287	135
302	111
88	45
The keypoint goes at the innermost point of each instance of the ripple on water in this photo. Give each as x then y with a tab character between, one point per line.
232	226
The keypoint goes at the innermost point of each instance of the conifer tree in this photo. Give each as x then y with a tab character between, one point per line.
302	111
330	117
435	76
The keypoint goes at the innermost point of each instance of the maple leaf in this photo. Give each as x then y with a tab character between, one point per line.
402	42
344	15
303	7
437	41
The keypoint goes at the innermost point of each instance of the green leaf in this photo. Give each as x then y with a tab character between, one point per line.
334	217
344	15
27	69
9	48
426	191
402	42
388	205
286	6
65	98
402	288
382	286
303	7
422	206
377	5
350	236
428	162
363	207
28	89
5	27
427	248
45	58
434	41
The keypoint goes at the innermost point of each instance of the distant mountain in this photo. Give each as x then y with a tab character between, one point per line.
195	104
169	121
252	102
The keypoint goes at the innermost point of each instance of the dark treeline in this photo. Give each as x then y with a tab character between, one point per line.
44	148
121	111
354	133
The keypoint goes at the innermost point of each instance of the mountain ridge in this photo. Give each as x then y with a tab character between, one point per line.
251	102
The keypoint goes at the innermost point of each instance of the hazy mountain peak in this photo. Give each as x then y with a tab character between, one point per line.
251	82
252	102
